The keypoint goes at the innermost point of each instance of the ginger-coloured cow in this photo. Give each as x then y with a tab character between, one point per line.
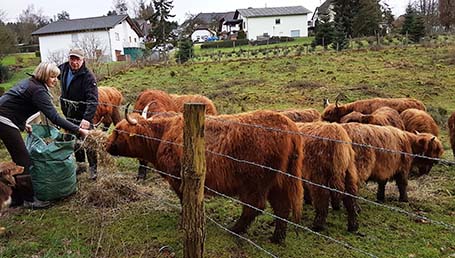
332	164
334	112
107	111
227	135
381	116
302	115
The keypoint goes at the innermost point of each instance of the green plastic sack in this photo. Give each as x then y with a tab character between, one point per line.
54	168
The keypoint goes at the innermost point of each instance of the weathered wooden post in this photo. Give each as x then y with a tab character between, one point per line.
193	178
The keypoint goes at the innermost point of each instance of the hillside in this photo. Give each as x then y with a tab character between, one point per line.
115	217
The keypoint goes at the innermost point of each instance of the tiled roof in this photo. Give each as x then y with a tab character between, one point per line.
85	24
273	11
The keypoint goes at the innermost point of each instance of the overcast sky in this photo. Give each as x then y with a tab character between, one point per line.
91	8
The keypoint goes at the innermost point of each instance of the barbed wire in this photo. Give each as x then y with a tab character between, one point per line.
444	161
396	209
346	245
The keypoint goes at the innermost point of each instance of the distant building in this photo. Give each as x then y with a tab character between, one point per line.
206	25
289	21
325	10
106	38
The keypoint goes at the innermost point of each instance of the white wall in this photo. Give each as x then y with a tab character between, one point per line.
52	46
200	35
257	26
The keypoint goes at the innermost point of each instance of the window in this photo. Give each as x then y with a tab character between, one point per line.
277	21
130	39
117	36
135	40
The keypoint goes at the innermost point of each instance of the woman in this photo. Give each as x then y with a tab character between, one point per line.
20	102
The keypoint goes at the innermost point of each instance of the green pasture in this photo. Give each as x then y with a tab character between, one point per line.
140	226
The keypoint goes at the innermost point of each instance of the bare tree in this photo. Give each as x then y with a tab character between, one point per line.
2	15
447	14
94	50
58	56
428	9
120	6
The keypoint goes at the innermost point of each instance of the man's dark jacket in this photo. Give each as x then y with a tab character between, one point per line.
82	89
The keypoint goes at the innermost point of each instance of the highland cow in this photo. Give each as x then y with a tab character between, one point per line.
381	116
334	112
107	111
229	136
416	120
329	163
302	115
381	157
180	101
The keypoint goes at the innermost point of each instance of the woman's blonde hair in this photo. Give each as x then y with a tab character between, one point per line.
45	70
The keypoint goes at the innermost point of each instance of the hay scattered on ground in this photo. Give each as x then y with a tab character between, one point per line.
113	189
110	191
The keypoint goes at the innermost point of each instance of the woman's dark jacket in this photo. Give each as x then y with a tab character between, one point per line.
82	89
28	97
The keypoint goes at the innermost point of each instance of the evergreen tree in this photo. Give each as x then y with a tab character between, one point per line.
345	11
409	20
185	51
367	19
161	26
324	32
340	40
418	30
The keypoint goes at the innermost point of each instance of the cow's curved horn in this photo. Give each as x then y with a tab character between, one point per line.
127	116
146	109
325	103
433	138
99	122
336	103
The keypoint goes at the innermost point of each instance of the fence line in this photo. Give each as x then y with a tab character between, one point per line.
396	209
346	245
448	162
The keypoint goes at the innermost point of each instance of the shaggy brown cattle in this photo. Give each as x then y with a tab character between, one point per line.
107	111
180	100
7	172
416	120
451	125
253	184
331	164
158	102
302	115
381	116
382	165
334	112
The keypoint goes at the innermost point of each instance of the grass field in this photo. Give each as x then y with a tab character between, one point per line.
140	219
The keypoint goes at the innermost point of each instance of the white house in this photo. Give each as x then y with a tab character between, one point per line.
107	38
290	21
202	34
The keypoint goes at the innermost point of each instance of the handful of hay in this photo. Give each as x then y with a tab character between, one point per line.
96	140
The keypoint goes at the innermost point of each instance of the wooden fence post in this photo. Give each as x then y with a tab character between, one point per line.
193	178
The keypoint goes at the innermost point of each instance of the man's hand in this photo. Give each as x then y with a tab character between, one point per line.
84	124
28	128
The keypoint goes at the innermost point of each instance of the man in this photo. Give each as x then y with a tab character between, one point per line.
79	99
